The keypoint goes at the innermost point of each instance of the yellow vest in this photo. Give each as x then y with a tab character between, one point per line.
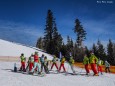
63	60
93	59
23	59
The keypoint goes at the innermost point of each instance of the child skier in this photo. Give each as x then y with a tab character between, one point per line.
54	62
86	64
93	61
36	63
107	66
30	63
99	65
71	62
42	62
46	65
62	64
23	59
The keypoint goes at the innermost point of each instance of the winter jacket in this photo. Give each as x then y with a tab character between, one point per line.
42	59
71	61
45	62
36	58
63	60
23	59
86	60
54	59
31	59
93	59
107	64
100	62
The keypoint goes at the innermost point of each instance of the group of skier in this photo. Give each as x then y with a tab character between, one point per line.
34	62
96	64
62	62
37	64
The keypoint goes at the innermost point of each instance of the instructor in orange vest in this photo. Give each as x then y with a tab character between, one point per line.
93	61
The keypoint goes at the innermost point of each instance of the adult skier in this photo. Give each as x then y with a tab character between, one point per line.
54	60
93	61
86	64
23	59
62	64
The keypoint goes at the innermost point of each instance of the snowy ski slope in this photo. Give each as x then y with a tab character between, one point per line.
9	78
15	49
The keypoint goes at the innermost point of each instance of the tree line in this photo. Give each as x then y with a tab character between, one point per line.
52	42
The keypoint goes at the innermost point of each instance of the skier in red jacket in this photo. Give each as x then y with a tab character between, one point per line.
36	63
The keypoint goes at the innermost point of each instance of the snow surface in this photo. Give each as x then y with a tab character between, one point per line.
14	49
9	78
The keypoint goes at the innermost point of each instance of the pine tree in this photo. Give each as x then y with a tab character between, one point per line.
57	41
81	36
49	32
80	32
87	52
63	49
39	43
110	52
69	46
114	54
101	51
52	38
95	50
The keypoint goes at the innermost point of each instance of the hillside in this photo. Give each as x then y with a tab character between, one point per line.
10	78
11	49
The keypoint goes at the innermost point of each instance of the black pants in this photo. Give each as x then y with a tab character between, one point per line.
45	68
107	69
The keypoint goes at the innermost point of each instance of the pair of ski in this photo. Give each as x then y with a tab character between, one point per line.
70	74
36	74
82	74
56	71
77	73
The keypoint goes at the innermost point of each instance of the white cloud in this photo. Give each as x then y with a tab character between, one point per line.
105	26
20	32
21	28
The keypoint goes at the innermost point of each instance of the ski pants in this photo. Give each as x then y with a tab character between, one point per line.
36	64
55	65
30	66
62	65
107	68
99	69
22	68
46	68
42	66
72	68
87	68
93	67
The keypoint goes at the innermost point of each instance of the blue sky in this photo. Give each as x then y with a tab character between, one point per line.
23	21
